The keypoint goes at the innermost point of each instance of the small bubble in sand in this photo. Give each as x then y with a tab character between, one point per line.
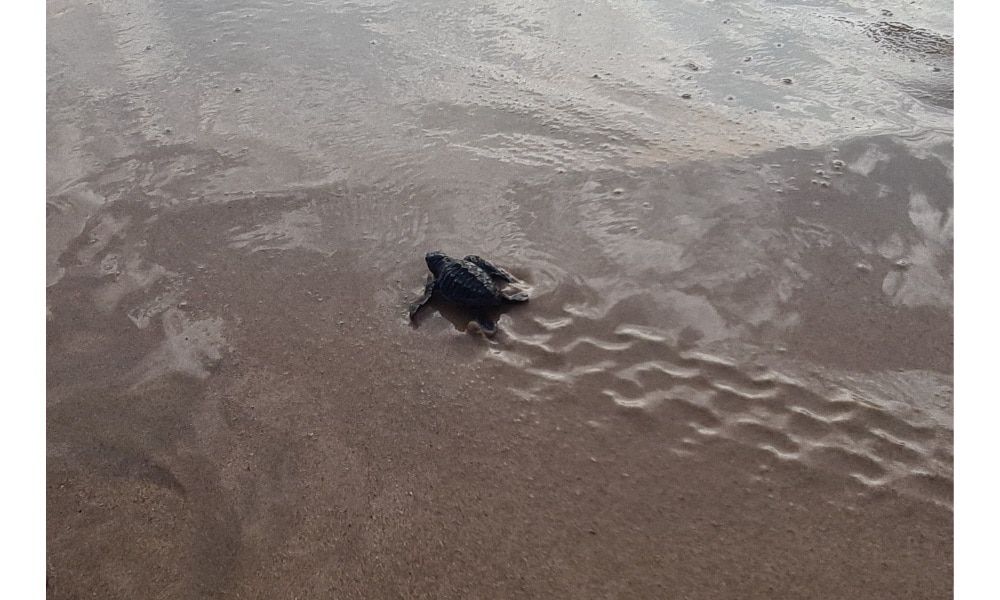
786	80
863	266
237	90
838	165
686	96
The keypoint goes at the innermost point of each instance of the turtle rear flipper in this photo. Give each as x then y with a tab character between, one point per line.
422	300
491	269
515	297
488	326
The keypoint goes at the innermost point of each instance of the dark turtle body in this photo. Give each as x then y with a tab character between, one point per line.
468	282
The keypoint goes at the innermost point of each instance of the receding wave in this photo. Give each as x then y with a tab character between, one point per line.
880	429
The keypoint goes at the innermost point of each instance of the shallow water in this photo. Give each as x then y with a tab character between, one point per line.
734	221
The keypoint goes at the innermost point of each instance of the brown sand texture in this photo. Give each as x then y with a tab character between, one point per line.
733	378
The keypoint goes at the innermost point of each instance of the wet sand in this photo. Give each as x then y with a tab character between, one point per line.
733	378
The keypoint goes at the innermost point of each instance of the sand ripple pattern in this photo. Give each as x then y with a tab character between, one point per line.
885	430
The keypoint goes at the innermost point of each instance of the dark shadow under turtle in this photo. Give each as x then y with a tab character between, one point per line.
469	282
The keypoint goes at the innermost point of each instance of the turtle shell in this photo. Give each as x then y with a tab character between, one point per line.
466	284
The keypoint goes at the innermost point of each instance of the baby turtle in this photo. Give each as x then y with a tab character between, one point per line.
468	282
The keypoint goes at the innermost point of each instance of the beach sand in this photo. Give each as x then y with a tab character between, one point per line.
733	378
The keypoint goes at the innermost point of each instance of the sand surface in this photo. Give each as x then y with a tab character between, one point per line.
733	378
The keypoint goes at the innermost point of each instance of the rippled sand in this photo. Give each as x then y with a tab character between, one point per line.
733	378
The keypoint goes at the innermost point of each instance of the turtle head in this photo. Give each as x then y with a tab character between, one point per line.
436	261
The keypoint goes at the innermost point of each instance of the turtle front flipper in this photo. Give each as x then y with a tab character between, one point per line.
491	269
488	325
422	300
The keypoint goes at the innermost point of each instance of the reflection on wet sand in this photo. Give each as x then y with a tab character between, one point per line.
733	377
